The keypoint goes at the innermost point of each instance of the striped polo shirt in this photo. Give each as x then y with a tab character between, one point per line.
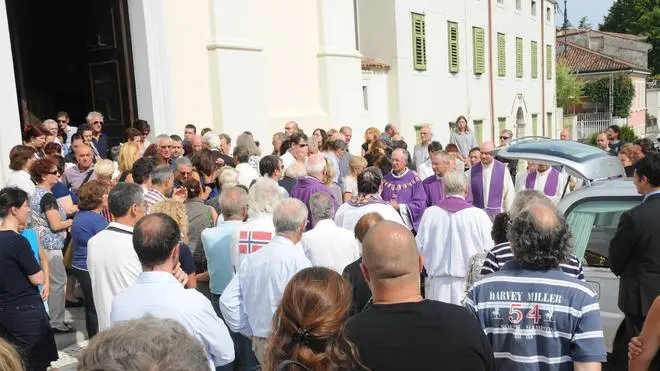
502	253
538	319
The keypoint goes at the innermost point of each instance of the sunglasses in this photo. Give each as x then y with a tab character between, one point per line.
62	121
54	172
302	145
98	122
505	138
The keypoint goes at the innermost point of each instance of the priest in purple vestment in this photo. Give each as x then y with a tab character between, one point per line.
403	189
442	163
312	183
543	178
491	187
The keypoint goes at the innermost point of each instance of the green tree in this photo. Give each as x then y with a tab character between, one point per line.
584	22
637	17
624	92
569	88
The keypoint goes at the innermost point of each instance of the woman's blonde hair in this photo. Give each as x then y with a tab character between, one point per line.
128	154
356	163
247	141
330	172
175	210
372	130
9	358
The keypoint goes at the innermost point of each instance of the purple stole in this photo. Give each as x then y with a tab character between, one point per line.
433	188
454	204
550	188
495	190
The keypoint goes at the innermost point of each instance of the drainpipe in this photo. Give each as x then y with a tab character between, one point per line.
543	69
491	100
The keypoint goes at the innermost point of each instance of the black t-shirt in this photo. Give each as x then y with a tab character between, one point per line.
426	335
361	291
17	262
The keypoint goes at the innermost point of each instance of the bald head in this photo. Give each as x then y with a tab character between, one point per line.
486	146
389	252
315	165
365	223
565	134
485	149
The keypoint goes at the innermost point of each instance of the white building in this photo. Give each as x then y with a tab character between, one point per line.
443	65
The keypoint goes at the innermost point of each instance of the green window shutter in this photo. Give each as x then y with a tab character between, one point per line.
478	130
519	57
452	32
548	57
550	132
501	55
502	122
419	41
535	124
478	50
535	60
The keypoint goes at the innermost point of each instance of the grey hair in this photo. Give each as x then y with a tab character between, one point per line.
369	180
104	168
93	114
264	196
296	171
289	216
246	141
314	168
160	175
163	137
321	206
183	161
211	140
540	238
233	200
48	122
123	196
444	156
454	183
404	152
228	177
148	343
527	198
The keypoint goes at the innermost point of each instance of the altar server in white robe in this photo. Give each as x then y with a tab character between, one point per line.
368	200
545	179
449	234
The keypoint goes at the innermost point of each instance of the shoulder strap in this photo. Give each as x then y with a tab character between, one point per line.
89	175
284	365
119	230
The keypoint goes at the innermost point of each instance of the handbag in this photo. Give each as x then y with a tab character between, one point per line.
68	254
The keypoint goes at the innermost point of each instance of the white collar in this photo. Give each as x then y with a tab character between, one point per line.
402	174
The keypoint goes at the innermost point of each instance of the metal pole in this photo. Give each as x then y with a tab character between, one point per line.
611	97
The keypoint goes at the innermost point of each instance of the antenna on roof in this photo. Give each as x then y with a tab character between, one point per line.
564	28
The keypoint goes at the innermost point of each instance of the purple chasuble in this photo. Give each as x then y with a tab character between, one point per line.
406	189
305	188
454	204
495	189
550	188
433	189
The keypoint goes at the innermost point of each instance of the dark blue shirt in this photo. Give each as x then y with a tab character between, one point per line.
86	224
102	145
17	262
186	259
60	190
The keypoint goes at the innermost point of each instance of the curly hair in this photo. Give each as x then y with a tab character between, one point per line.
91	194
540	238
175	210
309	324
40	168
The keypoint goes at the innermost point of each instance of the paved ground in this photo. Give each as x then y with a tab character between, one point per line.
70	345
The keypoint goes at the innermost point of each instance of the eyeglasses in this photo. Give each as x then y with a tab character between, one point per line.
62	121
302	145
98	122
504	138
165	147
54	172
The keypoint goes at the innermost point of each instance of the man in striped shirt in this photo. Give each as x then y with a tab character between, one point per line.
501	253
535	316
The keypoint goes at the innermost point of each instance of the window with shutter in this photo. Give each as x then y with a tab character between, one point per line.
535	124
478	50
551	132
548	58
519	57
501	55
452	31
419	41
535	60
502	122
478	130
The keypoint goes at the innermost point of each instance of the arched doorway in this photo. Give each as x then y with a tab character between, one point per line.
520	123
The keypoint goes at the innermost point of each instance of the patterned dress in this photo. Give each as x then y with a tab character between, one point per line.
38	221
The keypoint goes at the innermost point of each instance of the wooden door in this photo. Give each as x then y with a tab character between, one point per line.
109	65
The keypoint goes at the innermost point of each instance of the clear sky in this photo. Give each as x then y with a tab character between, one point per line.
595	10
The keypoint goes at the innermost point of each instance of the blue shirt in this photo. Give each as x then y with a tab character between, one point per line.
217	247
102	145
60	190
161	295
85	225
252	296
538	319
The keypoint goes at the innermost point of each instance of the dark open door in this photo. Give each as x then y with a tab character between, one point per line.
109	66
74	56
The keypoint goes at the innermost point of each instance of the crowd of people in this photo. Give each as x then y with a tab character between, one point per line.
306	257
